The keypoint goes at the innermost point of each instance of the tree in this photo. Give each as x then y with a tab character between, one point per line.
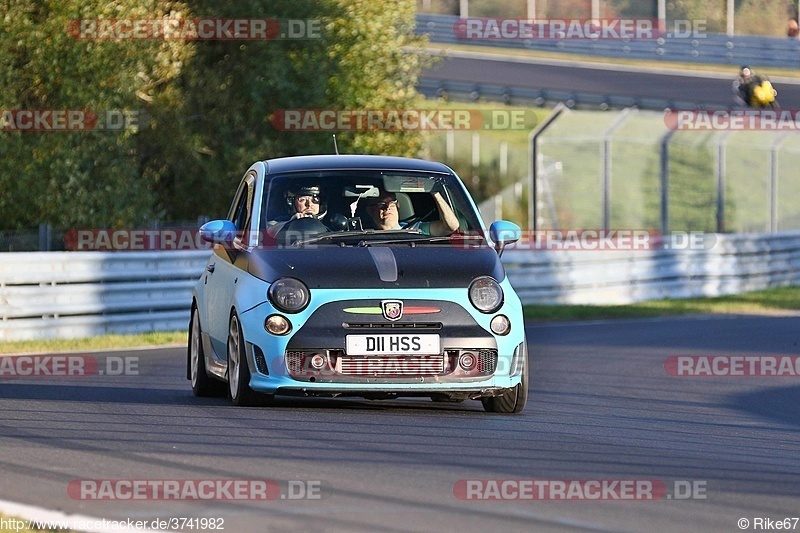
205	106
359	58
77	178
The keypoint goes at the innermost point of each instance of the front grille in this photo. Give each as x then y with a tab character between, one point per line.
420	365
295	361
261	361
487	361
392	325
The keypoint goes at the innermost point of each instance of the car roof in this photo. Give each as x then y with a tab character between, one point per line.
352	162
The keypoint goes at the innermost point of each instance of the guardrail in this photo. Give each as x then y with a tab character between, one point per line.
47	295
734	264
78	294
540	97
709	48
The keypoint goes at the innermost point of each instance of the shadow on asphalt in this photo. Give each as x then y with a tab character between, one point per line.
775	404
176	397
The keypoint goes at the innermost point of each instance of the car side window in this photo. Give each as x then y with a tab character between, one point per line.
243	212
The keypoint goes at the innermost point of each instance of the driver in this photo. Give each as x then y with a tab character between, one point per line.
383	212
301	202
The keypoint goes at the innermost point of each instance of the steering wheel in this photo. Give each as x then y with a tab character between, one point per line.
300	229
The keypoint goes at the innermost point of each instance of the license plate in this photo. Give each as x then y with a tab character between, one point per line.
392	344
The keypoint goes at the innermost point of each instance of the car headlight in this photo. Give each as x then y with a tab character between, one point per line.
289	295
500	325
486	294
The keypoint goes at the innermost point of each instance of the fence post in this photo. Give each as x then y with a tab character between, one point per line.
450	145
606	157
503	158
721	175
773	181
476	157
533	139
665	182
45	235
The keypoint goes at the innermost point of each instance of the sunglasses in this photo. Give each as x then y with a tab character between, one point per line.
314	198
383	205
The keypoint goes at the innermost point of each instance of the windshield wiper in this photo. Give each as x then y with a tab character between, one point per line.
332	235
420	238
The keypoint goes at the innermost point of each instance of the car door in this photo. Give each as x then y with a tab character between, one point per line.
225	268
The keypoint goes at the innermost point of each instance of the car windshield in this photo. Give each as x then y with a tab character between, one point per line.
363	208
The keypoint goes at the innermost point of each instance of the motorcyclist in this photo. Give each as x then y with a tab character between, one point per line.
753	90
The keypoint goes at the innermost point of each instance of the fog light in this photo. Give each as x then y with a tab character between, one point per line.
318	361
500	325
277	325
467	361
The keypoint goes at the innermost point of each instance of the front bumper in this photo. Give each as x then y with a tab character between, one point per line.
282	364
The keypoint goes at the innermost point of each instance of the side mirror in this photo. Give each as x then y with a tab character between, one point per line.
503	233
218	232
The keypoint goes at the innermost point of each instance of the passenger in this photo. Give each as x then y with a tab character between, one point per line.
384	213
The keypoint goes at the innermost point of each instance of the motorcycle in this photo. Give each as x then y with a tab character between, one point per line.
757	93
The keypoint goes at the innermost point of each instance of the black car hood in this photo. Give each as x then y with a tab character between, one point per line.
377	266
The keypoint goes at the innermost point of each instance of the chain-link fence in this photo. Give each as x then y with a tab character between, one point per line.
629	170
604	170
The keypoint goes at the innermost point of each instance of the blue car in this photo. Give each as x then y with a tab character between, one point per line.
351	275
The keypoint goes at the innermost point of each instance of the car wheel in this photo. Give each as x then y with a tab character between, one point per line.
202	384
512	400
238	371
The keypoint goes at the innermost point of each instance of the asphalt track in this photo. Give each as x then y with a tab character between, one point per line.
602	407
702	88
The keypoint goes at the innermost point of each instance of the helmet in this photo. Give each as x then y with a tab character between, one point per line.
306	190
745	70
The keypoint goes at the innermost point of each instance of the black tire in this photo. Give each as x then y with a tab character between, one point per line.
238	371
512	400
202	384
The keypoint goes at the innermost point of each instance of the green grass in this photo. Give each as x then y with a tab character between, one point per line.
104	342
769	301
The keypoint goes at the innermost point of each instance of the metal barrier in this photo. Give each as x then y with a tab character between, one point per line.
735	264
709	48
81	294
540	97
